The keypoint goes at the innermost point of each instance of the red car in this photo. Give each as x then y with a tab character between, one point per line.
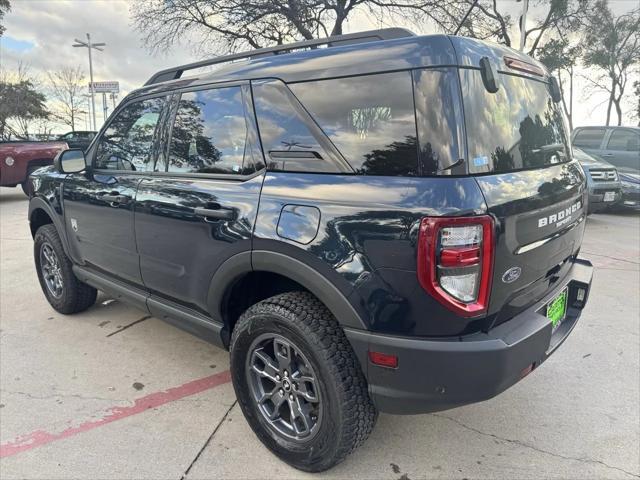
19	159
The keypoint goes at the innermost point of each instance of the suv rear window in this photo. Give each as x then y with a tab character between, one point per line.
518	127
370	119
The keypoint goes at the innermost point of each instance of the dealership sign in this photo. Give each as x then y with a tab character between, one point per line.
105	87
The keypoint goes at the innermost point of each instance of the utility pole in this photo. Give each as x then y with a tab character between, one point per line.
89	46
523	23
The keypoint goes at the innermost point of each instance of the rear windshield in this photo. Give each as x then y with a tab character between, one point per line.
519	127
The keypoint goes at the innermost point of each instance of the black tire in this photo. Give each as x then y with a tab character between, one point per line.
347	415
74	296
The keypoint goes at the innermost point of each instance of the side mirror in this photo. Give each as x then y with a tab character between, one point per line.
71	161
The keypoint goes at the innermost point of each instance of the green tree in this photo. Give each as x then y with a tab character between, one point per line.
5	6
561	56
20	104
612	48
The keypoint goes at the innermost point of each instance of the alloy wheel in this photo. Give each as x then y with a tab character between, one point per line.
284	386
51	270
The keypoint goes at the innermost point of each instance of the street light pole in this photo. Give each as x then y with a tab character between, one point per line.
89	46
88	97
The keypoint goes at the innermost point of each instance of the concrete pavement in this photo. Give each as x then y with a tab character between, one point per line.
111	394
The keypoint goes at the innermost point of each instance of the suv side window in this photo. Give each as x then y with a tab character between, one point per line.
370	119
127	142
589	137
288	139
625	140
209	132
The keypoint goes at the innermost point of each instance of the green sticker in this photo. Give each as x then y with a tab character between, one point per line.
557	308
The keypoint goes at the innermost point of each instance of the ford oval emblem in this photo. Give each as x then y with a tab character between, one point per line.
511	275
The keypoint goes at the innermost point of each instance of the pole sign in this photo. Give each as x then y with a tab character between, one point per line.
105	87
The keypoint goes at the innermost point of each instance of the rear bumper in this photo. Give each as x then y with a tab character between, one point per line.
435	375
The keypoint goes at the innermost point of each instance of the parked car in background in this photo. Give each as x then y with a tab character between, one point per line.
619	146
78	139
19	159
603	182
630	183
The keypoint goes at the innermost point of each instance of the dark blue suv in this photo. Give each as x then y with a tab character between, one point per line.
371	222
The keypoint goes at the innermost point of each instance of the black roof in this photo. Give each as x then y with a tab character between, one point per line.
402	51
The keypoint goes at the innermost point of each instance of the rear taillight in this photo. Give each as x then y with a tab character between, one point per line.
455	261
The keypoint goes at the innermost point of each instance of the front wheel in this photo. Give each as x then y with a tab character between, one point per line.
62	288
299	383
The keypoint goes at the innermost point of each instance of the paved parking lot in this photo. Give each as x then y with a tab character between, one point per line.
112	393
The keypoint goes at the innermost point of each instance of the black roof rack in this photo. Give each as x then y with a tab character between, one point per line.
338	40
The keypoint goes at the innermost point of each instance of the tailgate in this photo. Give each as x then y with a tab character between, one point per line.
540	216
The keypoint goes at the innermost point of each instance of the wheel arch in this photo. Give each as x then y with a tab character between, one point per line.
41	213
233	288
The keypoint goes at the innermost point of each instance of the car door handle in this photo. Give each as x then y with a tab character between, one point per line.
218	214
115	198
607	154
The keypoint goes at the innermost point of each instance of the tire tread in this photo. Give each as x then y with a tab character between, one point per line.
78	296
321	329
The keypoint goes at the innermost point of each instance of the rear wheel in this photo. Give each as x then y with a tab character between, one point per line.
299	383
62	288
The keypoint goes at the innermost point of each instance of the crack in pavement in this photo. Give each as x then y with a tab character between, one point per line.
60	395
532	447
146	317
206	444
609	256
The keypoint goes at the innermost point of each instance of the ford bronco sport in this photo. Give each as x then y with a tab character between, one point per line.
389	223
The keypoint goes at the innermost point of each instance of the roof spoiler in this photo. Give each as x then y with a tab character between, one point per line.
337	40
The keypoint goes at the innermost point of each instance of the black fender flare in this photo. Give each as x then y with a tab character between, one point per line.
38	203
266	261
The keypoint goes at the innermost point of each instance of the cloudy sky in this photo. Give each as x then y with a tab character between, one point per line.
40	34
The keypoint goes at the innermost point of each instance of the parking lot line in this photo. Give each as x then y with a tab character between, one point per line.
42	437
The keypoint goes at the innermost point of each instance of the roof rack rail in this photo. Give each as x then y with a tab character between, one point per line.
337	40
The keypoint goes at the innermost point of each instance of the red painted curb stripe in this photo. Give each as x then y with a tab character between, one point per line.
153	400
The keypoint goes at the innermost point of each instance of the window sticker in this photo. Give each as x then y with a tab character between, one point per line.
480	161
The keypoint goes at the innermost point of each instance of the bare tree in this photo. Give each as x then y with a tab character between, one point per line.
636	111
67	86
612	47
559	18
237	24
